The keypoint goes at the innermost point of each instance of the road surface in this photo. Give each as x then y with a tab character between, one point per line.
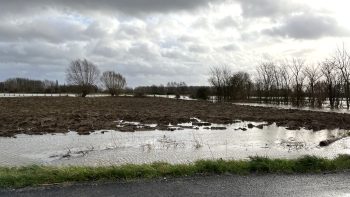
223	185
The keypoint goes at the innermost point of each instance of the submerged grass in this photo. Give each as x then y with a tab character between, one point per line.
16	177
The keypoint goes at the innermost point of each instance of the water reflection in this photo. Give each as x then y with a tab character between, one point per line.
180	146
324	109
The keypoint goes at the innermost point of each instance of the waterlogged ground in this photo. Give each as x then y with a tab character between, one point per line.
41	115
325	108
182	143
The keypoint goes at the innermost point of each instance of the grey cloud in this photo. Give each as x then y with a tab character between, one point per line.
129	31
37	53
30	71
187	38
226	22
308	26
198	48
148	49
144	51
103	49
230	47
135	6
96	29
53	30
141	72
14	7
178	55
269	8
201	23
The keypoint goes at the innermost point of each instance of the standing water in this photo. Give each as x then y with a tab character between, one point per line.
238	141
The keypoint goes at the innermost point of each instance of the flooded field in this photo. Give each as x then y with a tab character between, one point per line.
182	143
42	115
325	108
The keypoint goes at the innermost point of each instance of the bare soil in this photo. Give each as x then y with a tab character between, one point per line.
40	115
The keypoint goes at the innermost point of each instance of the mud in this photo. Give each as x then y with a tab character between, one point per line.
42	115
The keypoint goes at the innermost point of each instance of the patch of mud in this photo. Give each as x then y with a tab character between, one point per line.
126	126
41	115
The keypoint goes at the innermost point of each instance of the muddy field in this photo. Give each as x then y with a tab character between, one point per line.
61	114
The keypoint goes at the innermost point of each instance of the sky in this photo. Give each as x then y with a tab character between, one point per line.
157	41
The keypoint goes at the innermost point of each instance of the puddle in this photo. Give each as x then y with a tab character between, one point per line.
185	143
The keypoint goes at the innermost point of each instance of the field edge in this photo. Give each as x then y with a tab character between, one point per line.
26	176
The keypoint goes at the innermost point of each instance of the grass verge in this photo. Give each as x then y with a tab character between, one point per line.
16	177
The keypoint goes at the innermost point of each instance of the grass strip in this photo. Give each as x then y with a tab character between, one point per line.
17	177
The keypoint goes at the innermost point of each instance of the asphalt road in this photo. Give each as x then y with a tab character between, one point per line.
223	185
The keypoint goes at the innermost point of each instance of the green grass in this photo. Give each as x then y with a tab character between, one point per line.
16	177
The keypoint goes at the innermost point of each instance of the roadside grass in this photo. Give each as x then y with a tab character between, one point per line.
17	177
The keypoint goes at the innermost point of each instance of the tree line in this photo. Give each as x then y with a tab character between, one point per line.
82	77
23	85
177	89
291	81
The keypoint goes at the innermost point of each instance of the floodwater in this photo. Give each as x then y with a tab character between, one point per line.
179	146
281	106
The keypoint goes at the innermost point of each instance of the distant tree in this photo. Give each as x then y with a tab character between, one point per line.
49	86
202	93
285	82
330	74
240	86
313	74
2	87
266	78
84	74
220	77
113	82
296	67
139	92
342	63
56	87
217	81
23	85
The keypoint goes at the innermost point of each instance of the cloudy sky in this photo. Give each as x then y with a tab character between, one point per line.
156	41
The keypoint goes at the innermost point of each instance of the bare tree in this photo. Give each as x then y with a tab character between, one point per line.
217	81
276	87
84	74
240	86
296	68
328	70
266	76
342	62
285	82
226	76
312	74
113	82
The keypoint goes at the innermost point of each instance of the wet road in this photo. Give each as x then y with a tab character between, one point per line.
223	185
